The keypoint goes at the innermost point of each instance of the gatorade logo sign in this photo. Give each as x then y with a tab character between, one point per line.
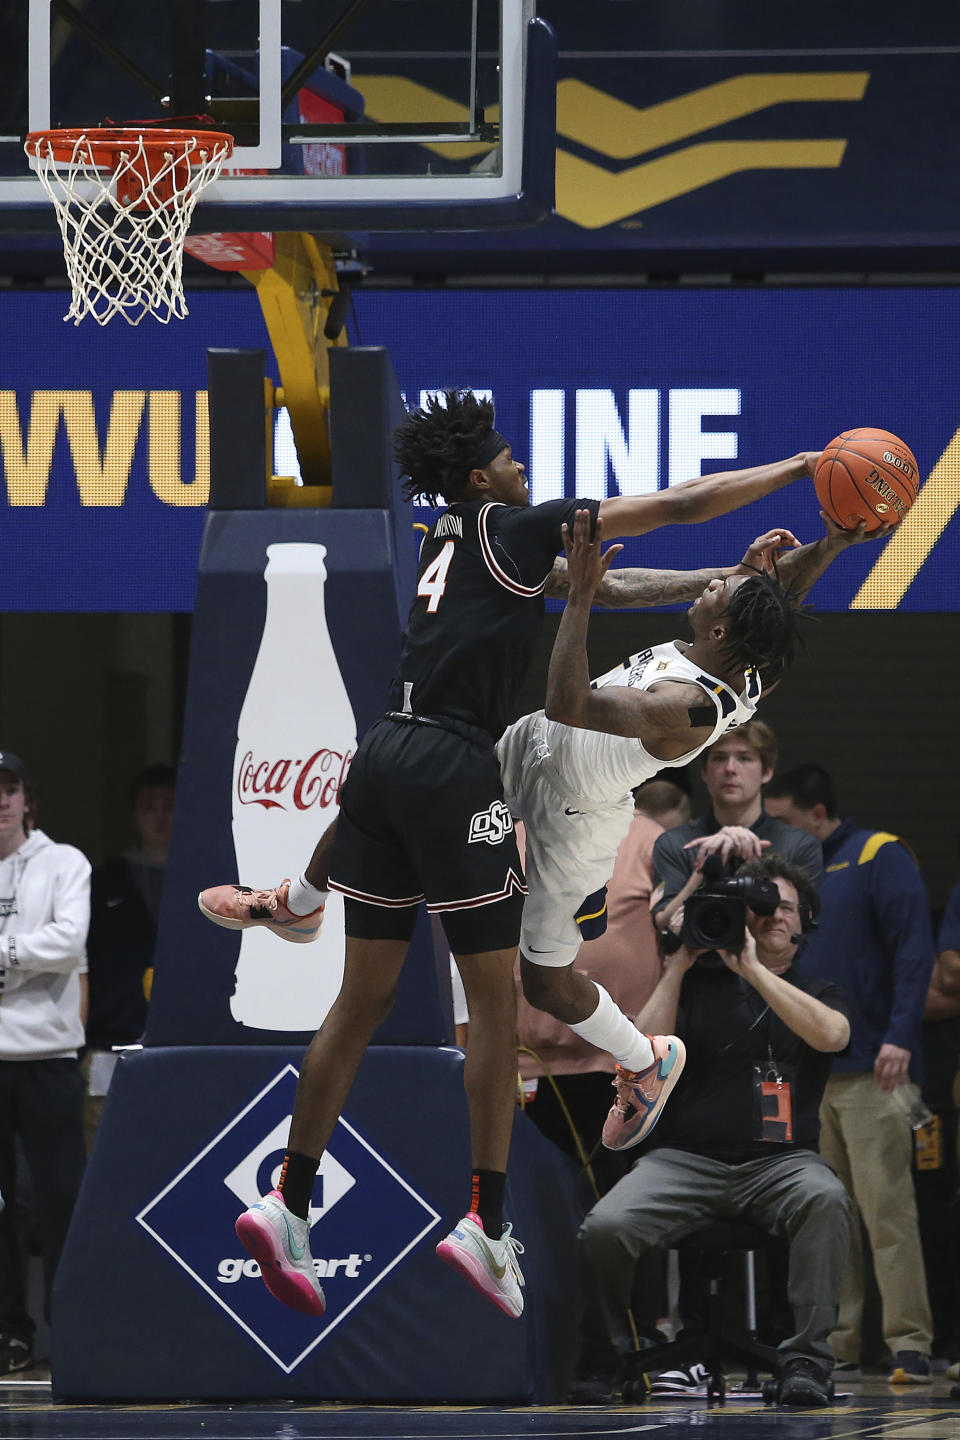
355	1245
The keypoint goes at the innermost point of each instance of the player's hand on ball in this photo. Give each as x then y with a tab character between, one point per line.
810	460
840	536
867	474
766	550
586	565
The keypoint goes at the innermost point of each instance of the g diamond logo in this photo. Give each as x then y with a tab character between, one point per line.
253	1178
354	1246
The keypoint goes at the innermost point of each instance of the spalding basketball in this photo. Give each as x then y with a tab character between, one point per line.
866	475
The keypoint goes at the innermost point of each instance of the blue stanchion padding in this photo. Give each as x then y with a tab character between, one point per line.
155	1296
370	557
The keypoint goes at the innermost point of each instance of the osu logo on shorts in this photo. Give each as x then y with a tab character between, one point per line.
491	824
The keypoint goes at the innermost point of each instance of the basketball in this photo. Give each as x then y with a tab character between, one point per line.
866	475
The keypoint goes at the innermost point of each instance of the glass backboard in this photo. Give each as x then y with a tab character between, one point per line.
372	114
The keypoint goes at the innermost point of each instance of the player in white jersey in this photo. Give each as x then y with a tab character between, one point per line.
568	772
572	790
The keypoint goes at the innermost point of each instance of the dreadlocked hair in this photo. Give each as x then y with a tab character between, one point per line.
762	627
436	444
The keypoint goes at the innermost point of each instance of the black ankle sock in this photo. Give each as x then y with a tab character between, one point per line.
487	1200
296	1182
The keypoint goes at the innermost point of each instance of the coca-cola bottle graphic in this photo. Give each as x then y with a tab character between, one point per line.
296	737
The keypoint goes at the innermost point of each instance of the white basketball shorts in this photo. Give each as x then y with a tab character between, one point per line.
571	850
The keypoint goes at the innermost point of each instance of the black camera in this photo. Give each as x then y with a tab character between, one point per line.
715	916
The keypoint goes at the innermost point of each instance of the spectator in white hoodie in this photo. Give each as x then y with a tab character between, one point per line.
44	917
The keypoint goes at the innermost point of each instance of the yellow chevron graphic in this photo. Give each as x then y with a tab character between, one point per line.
614	128
394	98
592	197
908	547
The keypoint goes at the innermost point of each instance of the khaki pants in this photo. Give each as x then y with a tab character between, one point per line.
865	1135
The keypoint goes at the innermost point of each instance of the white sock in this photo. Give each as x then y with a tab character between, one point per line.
304	898
609	1029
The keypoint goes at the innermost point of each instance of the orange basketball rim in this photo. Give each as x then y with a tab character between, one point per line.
124	196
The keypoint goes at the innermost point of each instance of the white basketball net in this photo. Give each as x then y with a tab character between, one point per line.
126	258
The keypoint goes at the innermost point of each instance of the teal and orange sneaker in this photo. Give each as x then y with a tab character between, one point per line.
280	1243
642	1094
238	907
489	1265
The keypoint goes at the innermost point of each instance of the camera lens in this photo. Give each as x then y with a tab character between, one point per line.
713	921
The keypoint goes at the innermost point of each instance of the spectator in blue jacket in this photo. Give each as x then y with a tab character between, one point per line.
874	941
936	1174
943	1001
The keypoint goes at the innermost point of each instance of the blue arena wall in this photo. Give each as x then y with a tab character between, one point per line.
105	482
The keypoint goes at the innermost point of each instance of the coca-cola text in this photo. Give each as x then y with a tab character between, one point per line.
316	781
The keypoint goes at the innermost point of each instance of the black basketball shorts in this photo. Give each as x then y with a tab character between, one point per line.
422	817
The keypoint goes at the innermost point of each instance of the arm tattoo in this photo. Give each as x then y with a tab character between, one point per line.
628	588
800	569
557	582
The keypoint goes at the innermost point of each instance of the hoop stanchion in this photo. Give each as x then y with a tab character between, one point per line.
124	198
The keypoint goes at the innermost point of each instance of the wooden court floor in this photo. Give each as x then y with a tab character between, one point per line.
872	1411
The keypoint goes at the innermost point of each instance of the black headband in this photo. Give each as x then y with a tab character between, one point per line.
489	450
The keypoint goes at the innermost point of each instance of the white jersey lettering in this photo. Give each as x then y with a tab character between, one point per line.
448	525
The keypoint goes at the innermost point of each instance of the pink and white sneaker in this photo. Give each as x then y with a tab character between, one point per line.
489	1265
280	1244
237	907
641	1095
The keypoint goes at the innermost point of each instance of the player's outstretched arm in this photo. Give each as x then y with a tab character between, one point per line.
632	588
702	498
673	715
799	570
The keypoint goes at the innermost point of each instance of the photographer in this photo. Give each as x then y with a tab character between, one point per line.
736	828
740	1139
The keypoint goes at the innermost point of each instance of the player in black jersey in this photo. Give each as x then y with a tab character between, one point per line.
422	816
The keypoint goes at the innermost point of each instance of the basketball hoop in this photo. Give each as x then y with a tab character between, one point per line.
124	198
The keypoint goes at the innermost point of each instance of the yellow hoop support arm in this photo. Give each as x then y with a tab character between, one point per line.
295	310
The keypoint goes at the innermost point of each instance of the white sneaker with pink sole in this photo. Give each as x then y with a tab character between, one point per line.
280	1243
489	1265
